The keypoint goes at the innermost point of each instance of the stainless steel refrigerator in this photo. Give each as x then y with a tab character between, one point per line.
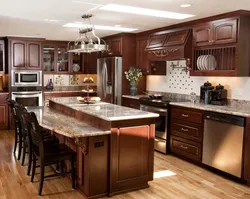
109	79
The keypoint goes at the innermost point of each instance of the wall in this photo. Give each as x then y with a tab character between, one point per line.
177	81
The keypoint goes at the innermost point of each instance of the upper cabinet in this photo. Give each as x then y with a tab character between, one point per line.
25	54
222	48
2	57
115	46
217	32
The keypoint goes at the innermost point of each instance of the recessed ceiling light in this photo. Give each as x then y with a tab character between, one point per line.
144	11
100	27
186	5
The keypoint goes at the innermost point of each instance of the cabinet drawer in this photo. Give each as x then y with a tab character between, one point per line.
186	130
188	115
185	148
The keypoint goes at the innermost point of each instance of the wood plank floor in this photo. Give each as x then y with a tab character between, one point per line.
174	179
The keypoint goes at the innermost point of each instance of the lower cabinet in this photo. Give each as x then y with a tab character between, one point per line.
4	112
186	132
131	103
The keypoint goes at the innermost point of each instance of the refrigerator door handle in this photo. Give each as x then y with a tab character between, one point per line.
105	80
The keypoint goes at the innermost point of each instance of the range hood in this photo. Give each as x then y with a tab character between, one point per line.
170	45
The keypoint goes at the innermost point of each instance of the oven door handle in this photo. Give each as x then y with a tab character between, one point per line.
27	93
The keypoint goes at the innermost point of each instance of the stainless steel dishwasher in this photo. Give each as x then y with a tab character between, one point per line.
223	142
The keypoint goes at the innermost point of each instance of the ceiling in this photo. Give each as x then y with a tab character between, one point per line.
26	17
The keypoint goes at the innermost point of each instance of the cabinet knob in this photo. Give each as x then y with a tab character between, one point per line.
185	115
186	130
184	147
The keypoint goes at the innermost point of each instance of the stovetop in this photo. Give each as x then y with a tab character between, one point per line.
163	103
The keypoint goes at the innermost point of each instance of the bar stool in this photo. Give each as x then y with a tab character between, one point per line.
17	126
47	154
27	143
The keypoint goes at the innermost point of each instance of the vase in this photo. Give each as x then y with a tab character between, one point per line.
133	89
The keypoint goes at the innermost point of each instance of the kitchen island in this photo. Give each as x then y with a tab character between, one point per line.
114	144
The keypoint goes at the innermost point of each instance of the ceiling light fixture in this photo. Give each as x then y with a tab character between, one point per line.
144	11
84	44
100	27
185	5
118	25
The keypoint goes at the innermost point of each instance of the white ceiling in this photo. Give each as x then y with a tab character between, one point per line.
26	17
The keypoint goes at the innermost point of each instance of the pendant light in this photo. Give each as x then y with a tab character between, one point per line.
84	44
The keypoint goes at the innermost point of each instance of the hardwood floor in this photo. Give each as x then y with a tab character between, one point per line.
182	181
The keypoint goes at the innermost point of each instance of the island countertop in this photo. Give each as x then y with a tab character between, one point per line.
103	110
63	124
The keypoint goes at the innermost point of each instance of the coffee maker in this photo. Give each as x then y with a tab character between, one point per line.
219	95
207	86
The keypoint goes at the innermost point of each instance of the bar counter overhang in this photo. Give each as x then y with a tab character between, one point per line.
114	144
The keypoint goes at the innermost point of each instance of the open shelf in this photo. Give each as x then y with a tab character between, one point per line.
225	61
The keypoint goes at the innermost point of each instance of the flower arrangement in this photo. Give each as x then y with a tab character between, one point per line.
133	75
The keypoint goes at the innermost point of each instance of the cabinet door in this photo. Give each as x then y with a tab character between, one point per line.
18	54
142	55
202	35
176	38
3	116
90	65
34	52
63	59
2	58
225	31
116	46
158	68
49	64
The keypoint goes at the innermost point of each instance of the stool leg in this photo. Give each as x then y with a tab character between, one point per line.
24	153
41	177
73	172
15	144
33	168
19	147
29	160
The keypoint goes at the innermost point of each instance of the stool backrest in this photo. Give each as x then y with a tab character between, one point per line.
13	107
36	134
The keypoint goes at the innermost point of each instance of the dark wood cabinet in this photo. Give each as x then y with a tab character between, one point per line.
156	41
131	103
90	63
225	31
115	45
202	35
157	67
25	54
4	112
142	55
186	132
2	57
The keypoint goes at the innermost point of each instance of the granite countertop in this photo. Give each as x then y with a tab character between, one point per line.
103	110
68	91
238	109
63	124
134	97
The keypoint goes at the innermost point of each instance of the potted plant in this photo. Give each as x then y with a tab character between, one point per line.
133	75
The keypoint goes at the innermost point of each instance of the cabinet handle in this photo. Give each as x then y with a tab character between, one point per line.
184	115
184	147
186	130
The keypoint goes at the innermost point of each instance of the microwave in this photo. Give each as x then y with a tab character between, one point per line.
26	78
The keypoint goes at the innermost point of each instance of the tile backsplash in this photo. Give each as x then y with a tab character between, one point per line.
178	81
69	80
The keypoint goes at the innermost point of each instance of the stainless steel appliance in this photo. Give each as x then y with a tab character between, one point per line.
223	142
26	78
109	79
27	96
159	106
160	127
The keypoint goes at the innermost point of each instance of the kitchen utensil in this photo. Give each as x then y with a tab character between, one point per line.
76	67
154	96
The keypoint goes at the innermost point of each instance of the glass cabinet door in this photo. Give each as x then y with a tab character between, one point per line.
49	58
62	60
77	62
2	65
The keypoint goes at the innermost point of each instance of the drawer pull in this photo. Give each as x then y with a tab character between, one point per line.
186	130
184	147
184	115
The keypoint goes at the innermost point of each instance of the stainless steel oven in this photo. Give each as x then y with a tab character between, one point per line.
160	127
26	78
28	98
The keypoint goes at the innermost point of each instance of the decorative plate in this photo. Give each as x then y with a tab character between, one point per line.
76	67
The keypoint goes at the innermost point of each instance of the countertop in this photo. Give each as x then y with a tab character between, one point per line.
134	97
68	92
4	93
103	110
63	124
238	109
